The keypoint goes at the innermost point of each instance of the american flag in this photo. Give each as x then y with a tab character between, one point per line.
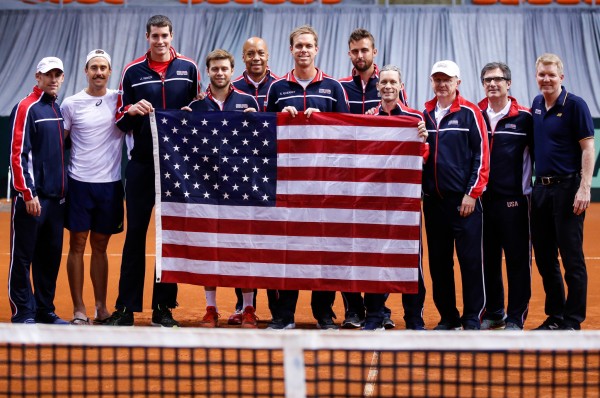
263	200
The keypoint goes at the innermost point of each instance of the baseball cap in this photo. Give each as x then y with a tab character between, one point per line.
446	67
49	63
97	53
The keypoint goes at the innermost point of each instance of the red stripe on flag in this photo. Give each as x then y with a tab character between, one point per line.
288	283
291	228
344	174
345	202
356	147
345	119
306	258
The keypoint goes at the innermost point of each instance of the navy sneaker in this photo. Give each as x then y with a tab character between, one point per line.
373	325
493	324
448	326
353	321
49	318
120	318
387	321
281	324
327	324
551	323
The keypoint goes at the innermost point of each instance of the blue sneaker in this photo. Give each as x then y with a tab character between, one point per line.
50	318
373	325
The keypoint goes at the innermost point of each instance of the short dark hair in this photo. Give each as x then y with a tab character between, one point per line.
359	34
159	21
496	65
218	54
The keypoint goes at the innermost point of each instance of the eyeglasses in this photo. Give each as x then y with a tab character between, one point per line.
496	79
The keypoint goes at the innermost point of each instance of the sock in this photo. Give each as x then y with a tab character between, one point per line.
248	299
211	298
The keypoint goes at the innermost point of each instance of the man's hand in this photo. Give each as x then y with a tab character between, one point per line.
371	111
467	206
33	207
422	131
291	110
582	199
249	110
141	108
309	111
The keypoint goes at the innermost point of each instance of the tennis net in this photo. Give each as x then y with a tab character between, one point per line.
55	361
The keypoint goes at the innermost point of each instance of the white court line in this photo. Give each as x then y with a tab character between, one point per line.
372	375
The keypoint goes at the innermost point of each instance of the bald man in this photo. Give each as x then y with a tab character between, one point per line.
255	80
257	77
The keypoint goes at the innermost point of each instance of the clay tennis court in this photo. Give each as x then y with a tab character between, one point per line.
192	303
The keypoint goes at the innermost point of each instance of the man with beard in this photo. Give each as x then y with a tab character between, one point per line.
95	197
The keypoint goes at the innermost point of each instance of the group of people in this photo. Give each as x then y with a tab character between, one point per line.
478	194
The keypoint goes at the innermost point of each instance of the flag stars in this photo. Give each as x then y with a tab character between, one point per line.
245	196
245	123
205	158
265	198
185	140
184	122
265	160
196	185
235	187
255	151
164	120
254	187
195	149
216	187
174	130
225	195
215	150
245	141
215	131
204	122
234	132
186	176
225	141
206	195
225	159
235	169
225	122
245	159
177	184
167	193
186	194
225	177
165	139
235	151
265	143
176	148
255	133
204	140
176	166
194	131
265	124
167	175
245	178
166	156
196	167
186	158
215	168
255	169
265	179
206	176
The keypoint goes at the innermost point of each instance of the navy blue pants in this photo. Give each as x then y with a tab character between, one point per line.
555	228
506	227
445	229
36	246
139	194
354	304
321	304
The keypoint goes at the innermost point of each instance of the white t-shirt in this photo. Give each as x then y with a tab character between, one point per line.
97	142
495	117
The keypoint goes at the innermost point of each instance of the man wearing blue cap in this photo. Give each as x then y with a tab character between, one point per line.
38	198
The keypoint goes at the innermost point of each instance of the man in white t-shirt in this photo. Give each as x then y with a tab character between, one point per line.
95	196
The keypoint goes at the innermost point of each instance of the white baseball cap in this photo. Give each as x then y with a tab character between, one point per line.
97	53
49	63
446	67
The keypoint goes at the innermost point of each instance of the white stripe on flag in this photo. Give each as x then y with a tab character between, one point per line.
393	190
351	216
353	133
403	162
297	243
274	270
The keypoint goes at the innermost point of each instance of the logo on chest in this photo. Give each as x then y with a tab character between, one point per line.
453	123
243	106
182	73
324	91
513	203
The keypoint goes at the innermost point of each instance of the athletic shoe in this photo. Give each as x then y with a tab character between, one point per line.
249	318
162	316
415	326
569	326
512	326
448	326
550	324
281	324
470	327
29	321
327	324
235	318
373	325
387	322
49	318
353	321
211	318
120	318
491	324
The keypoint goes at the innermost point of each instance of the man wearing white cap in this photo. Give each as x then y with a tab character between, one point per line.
454	178
95	197
38	198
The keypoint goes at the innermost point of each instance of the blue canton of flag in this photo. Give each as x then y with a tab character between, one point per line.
217	157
